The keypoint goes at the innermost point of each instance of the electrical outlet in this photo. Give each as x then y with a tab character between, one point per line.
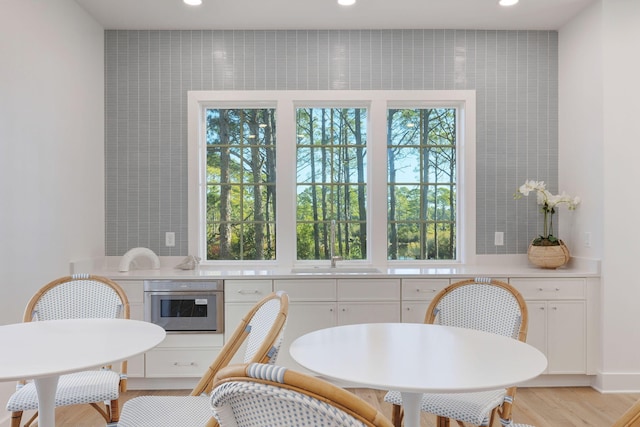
499	238
169	239
587	239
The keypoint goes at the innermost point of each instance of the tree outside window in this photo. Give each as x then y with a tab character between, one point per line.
240	189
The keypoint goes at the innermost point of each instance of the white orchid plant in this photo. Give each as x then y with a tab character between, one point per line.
549	203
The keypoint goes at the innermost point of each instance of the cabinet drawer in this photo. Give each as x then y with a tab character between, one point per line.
368	290
308	290
178	340
550	289
184	362
422	289
246	290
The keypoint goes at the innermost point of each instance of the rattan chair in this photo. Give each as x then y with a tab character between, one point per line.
76	297
262	329
482	304
258	395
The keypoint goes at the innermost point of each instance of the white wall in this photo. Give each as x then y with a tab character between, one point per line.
51	147
600	146
621	286
580	130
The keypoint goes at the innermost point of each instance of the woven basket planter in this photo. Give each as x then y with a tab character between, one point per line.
549	256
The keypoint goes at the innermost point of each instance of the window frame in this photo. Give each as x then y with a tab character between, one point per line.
377	102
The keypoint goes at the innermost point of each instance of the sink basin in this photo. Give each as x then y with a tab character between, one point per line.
334	270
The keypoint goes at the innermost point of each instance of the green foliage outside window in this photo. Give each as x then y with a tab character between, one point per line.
241	176
331	182
421	194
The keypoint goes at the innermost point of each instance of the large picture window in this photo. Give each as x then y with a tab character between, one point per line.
286	178
421	159
240	184
331	192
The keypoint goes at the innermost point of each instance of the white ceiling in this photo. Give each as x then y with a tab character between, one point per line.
327	14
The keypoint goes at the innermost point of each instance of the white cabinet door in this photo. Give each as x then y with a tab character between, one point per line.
558	329
557	321
304	317
537	330
417	294
566	337
368	312
414	311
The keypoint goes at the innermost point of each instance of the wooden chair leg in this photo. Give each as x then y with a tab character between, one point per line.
115	411
493	416
442	422
396	416
16	419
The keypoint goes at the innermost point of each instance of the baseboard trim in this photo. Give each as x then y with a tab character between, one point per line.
560	381
617	382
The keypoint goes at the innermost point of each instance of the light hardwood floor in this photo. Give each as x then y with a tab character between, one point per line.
540	407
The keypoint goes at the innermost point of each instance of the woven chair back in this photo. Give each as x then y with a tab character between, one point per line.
482	304
261	329
257	395
78	297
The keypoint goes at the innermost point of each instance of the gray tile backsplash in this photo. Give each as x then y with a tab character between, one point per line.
148	74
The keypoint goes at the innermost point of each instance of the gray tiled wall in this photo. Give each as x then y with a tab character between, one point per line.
148	73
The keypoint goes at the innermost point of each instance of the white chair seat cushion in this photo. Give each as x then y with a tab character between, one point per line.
473	408
167	411
76	388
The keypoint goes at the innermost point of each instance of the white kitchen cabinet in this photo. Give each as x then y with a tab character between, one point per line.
240	296
557	321
563	320
312	306
368	301
135	295
321	303
417	295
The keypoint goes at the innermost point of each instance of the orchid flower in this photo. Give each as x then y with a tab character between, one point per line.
549	202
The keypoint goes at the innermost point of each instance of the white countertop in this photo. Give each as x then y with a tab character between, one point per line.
512	266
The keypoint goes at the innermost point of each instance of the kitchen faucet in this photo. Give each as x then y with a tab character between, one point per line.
332	245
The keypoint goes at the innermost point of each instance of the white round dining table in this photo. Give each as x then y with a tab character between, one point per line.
417	358
44	350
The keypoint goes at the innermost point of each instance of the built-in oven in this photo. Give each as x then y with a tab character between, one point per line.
185	305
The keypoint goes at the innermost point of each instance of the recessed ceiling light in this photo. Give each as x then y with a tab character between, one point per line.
507	2
346	2
193	2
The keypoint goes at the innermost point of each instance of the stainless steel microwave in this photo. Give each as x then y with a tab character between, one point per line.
185	305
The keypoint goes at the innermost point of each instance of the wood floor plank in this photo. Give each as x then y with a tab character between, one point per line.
538	406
